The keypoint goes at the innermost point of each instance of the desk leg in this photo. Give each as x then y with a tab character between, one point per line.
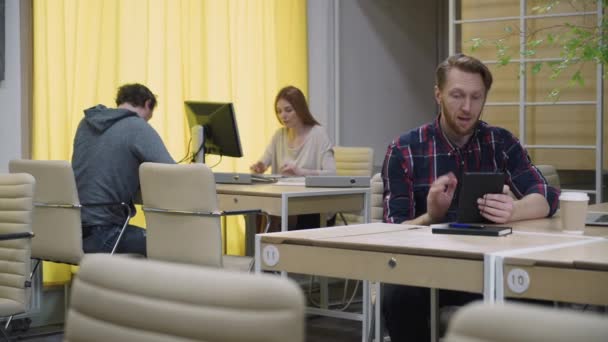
284	220
378	313
323	292
284	212
367	208
258	254
323	281
365	326
499	293
250	231
489	278
434	314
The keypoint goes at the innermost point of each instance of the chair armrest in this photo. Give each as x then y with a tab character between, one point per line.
15	236
108	204
217	213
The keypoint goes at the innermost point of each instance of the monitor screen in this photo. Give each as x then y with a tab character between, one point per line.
221	135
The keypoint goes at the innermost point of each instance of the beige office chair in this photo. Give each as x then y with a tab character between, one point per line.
56	221
16	204
377	195
550	174
353	161
115	298
183	218
485	322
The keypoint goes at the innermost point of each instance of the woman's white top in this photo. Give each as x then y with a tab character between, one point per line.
315	153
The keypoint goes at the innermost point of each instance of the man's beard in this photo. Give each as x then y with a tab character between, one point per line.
453	124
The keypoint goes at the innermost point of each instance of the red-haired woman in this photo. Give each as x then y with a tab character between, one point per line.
301	147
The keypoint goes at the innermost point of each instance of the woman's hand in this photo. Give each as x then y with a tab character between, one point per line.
290	169
258	167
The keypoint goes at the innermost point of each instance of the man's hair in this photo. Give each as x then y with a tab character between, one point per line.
296	99
136	94
463	63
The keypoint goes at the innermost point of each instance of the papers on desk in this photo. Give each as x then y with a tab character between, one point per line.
290	181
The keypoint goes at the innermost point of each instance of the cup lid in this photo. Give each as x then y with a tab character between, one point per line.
574	196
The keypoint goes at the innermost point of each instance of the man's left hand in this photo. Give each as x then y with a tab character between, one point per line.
497	207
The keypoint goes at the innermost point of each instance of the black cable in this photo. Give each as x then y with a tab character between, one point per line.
216	164
200	148
187	152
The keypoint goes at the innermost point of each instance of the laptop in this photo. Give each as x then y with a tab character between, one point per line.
337	181
597	219
242	178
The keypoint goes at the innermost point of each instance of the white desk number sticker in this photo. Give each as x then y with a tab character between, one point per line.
270	255
518	280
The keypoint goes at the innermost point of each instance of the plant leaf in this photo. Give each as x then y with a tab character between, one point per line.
477	42
536	68
504	60
578	78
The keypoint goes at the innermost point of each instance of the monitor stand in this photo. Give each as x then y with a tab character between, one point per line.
198	142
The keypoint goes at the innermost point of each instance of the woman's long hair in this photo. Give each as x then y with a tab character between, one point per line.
296	99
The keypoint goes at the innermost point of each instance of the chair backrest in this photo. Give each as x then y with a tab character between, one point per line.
116	298
377	193
485	322
184	238
550	174
16	204
354	161
56	222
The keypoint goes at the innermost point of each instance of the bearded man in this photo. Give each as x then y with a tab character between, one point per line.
422	170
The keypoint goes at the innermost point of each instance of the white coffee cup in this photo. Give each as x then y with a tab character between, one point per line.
573	211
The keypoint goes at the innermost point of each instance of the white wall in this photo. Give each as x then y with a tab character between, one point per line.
383	54
14	90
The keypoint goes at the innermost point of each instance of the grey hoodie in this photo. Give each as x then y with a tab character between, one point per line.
109	146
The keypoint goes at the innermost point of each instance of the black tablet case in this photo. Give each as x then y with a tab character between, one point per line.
475	185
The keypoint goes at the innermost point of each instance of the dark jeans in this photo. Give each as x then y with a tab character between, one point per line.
101	239
308	221
407	310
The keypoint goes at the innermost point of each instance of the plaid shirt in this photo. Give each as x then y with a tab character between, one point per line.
414	160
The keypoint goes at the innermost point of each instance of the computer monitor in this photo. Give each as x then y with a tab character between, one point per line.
214	129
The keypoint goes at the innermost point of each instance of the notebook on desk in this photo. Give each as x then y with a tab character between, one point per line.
243	178
597	219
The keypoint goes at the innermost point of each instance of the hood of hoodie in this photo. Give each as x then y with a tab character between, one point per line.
101	117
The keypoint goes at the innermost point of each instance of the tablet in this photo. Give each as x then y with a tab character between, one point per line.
473	186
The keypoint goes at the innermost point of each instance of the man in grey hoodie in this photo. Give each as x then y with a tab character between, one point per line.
109	146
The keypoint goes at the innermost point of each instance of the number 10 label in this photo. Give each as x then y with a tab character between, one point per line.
518	280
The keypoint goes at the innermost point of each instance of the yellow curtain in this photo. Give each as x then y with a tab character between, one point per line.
240	51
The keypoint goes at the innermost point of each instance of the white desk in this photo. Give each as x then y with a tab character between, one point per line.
398	254
576	274
285	200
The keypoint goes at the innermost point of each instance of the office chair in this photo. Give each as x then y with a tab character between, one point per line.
16	198
353	161
377	193
56	222
115	298
550	174
56	218
486	322
183	218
